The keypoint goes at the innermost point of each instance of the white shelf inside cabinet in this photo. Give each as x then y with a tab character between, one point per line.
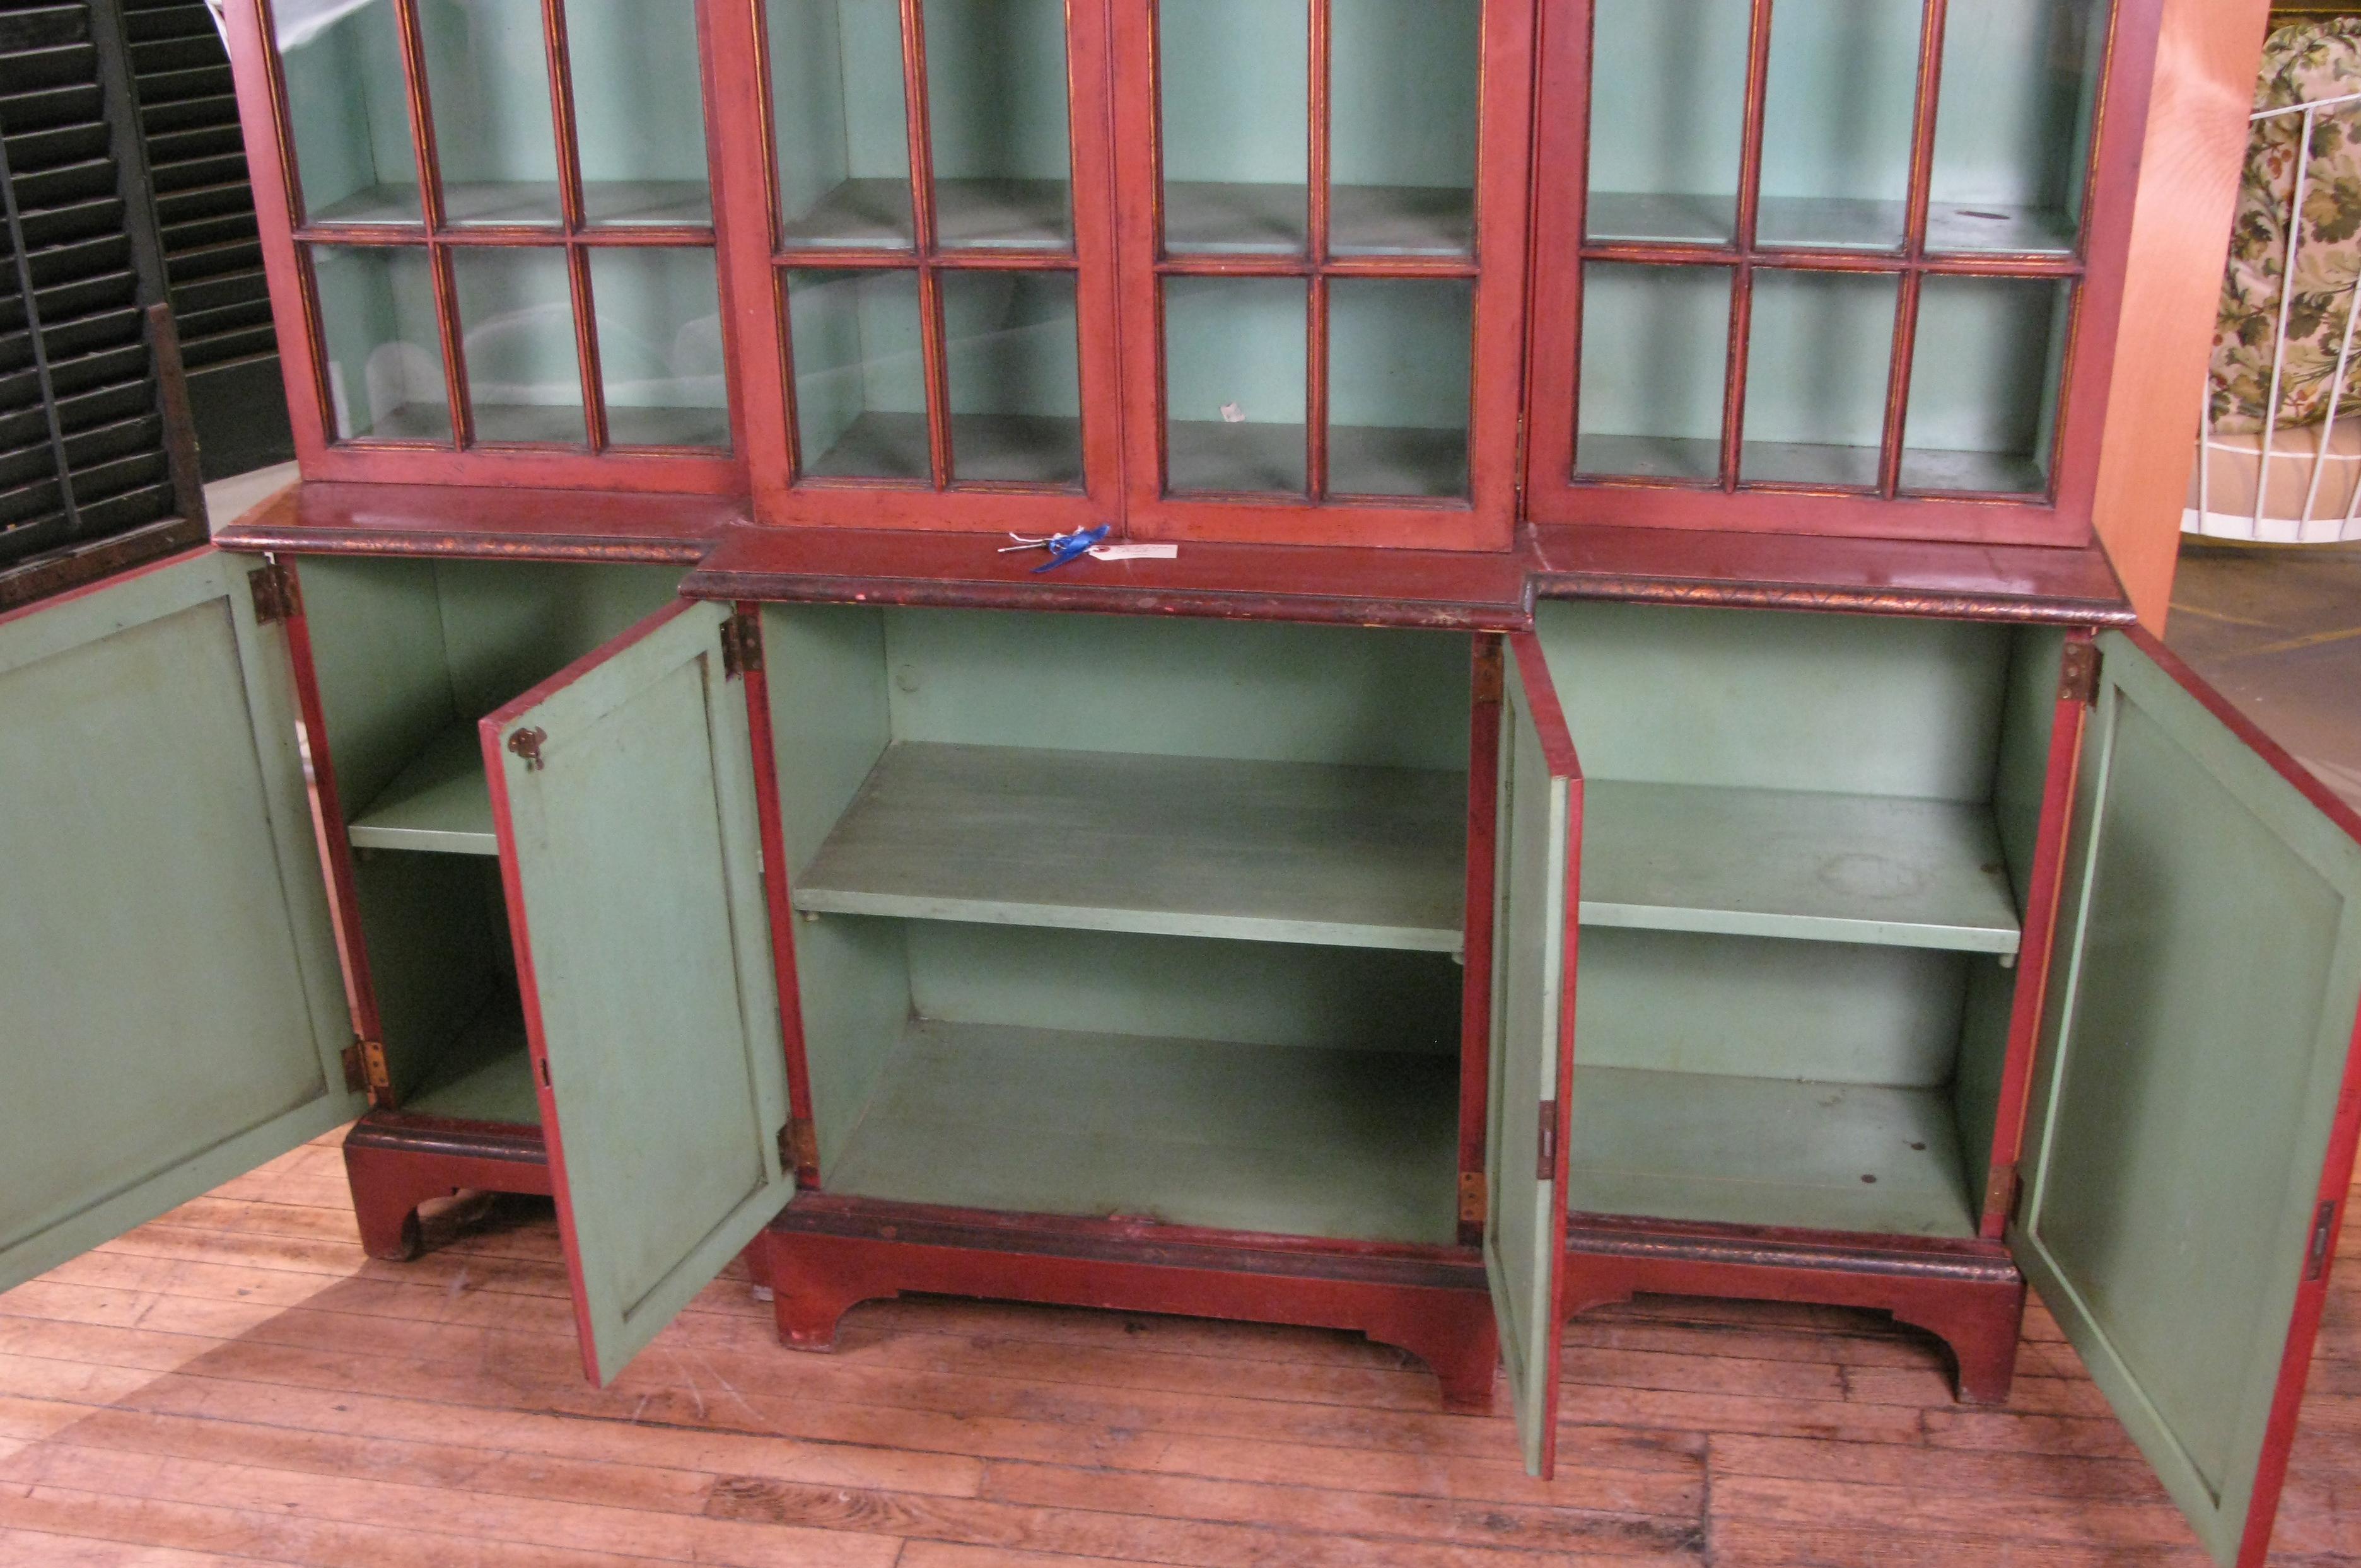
1759	862
1172	846
439	803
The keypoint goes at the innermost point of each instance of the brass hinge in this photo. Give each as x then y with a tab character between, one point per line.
526	743
2324	1224
741	646
1488	663
1545	1158
275	598
365	1068
1475	1197
798	1146
2078	675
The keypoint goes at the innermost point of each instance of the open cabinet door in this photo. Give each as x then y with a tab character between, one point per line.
172	1011
2195	1100
1536	884
623	796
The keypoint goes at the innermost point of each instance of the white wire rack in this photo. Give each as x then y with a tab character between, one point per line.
2287	484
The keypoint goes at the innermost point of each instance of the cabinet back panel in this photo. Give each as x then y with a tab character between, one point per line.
2023	772
1668	96
1769	1007
346	103
487	72
1772	700
438	949
1248	993
377	649
1180	688
508	625
1236	85
996	89
1984	1057
826	665
852	988
1402	101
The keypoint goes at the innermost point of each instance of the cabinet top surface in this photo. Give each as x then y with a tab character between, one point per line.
1456	590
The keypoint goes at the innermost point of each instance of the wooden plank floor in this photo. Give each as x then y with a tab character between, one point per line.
237	1383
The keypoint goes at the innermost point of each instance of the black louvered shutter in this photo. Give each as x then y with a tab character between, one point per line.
204	219
97	457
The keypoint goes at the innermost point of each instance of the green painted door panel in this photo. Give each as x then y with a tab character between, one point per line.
1524	1233
633	863
2185	1122
171	1013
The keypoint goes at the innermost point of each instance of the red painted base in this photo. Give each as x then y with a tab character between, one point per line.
395	1163
1967	1293
826	1253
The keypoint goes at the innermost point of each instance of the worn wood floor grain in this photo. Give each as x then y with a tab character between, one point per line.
237	1383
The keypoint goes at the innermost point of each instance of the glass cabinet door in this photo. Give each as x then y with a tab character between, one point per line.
503	222
1320	313
935	242
1817	265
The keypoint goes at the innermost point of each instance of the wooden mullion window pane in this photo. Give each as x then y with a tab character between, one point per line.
635	80
1012	373
660	355
345	82
489	81
1001	153
523	362
840	125
380	343
1234	89
859	388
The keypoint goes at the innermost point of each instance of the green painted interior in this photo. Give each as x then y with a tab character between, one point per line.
1655	348
1756	1151
1079	725
1247	994
1761	1007
1770	699
2029	710
838	112
1177	687
1318	1142
174	1012
1521	1239
639	864
1806	842
409	655
2201	1014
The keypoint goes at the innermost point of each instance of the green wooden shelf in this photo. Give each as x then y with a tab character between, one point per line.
484	1075
1827	222
1825	867
998	448
1172	846
971	215
438	803
1280	1139
1237	219
1714	1149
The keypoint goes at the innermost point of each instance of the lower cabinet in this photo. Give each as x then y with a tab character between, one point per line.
1434	984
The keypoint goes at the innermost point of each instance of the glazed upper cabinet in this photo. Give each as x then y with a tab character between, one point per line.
1832	265
1321	215
920	223
491	238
